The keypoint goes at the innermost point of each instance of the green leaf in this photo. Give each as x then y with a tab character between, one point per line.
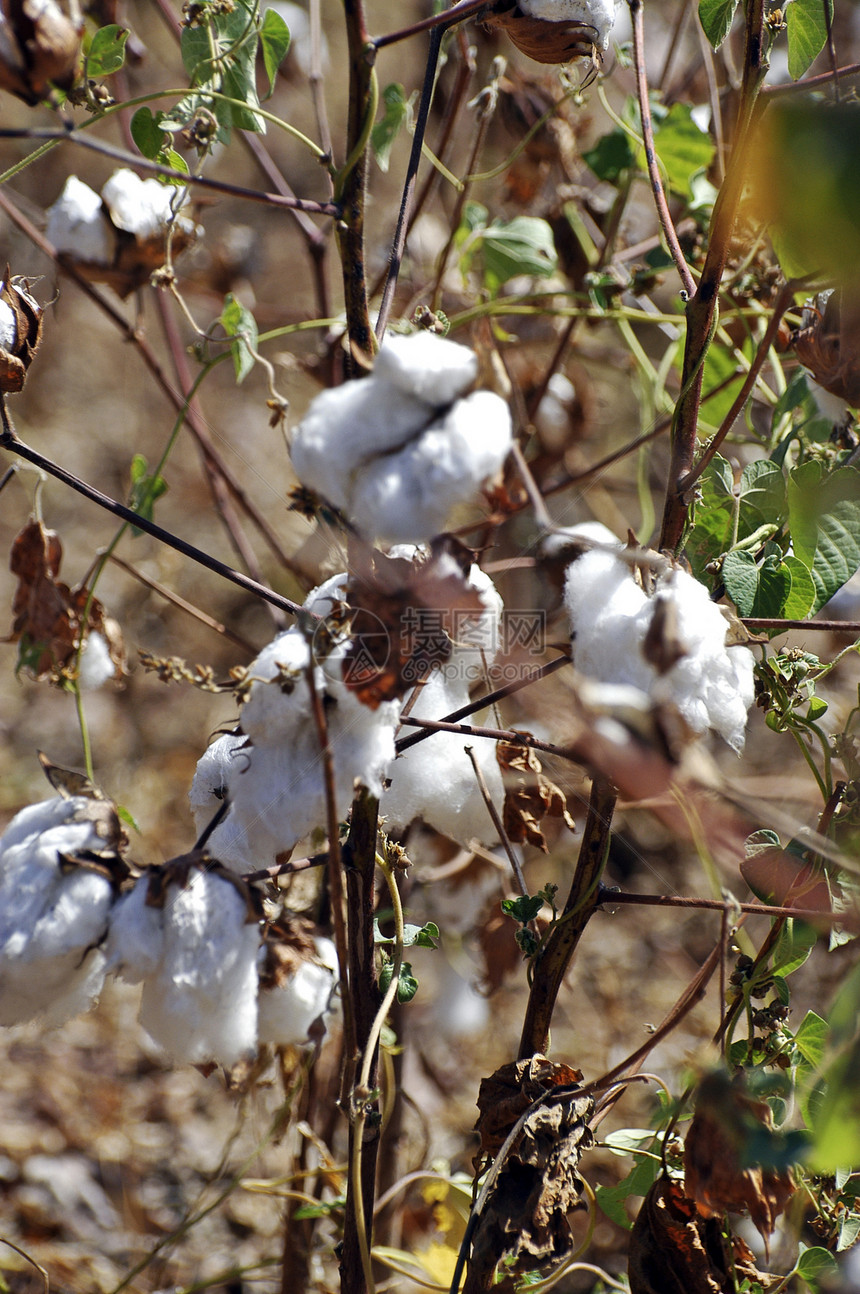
637	1182
807	33
274	43
740	576
229	69
237	321
407	984
147	133
805	186
716	19
326	1207
145	490
522	246
683	148
763	589
824	519
801	599
170	157
811	1038
795	942
524	908
814	1262
397	113
107	51
610	156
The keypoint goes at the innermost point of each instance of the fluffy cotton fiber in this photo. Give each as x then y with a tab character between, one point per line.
711	685
197	958
52	917
398	450
599	14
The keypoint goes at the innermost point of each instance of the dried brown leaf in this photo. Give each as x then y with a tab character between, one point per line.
716	1176
545	42
537	1184
530	796
830	348
673	1250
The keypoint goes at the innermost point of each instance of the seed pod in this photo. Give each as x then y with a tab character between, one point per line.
39	48
555	31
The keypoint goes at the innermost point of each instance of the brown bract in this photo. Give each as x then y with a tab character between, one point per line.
830	348
39	48
673	1250
50	619
545	42
404	616
28	333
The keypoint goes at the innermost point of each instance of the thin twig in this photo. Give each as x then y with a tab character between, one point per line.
142	163
439	22
187	607
609	896
8	440
663	214
497	822
482	702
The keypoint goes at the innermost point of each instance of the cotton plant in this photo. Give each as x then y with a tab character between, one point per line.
190	935
59	873
435	780
398	451
614	624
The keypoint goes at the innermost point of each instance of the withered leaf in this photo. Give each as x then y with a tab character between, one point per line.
40	49
404	616
524	1217
675	1251
542	40
717	1174
830	348
777	876
67	782
529	795
49	618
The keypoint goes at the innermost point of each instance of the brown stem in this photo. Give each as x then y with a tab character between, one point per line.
657	189
827	626
702	307
611	896
552	960
359	857
352	187
439	22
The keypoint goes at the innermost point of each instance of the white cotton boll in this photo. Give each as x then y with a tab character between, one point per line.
321	600
77	224
135	943
287	1011
273	708
410	495
96	666
435	780
199	999
8	325
599	14
711	685
477	642
275	781
427	367
140	207
51	918
348	425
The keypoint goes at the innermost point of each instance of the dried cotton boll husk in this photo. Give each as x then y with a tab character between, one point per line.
78	225
191	939
435	780
54	911
610	615
598	14
290	1004
20	333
